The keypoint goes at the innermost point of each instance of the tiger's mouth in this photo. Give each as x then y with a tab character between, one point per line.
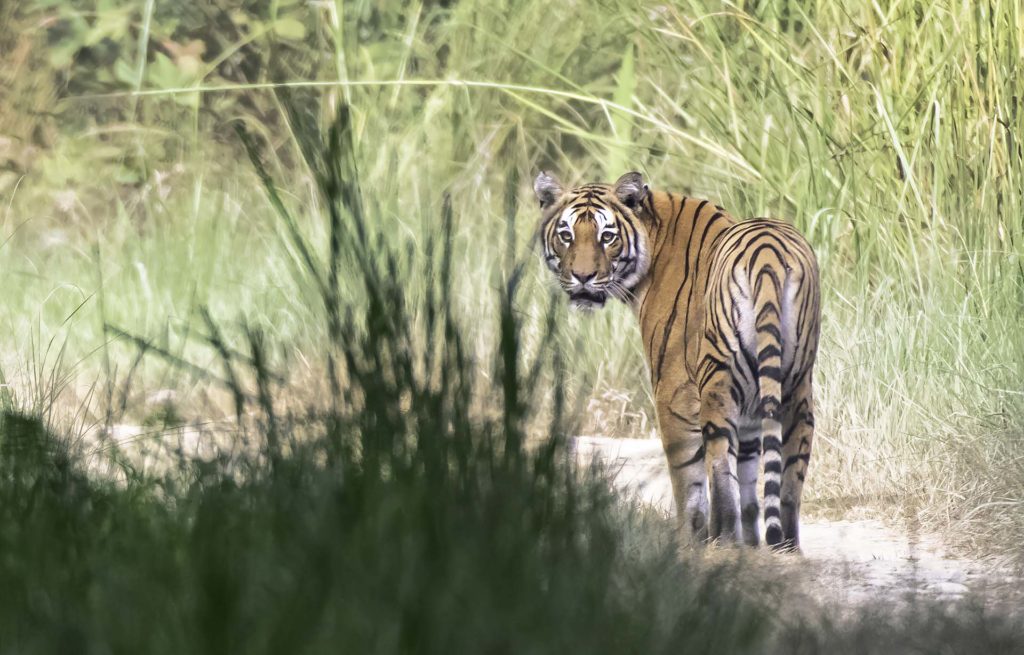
587	299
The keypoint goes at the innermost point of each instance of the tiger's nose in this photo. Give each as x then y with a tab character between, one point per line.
583	278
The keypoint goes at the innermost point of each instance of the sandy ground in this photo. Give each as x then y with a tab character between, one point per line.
850	560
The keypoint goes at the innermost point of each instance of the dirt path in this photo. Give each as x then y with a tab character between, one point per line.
854	560
851	561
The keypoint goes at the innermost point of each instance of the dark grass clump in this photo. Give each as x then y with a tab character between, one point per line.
402	513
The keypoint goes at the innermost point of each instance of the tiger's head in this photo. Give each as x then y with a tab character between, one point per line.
594	237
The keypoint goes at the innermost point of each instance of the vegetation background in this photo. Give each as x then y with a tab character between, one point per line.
888	132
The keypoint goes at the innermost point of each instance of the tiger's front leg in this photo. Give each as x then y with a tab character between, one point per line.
719	417
684	449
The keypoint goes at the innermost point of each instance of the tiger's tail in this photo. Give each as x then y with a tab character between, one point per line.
768	323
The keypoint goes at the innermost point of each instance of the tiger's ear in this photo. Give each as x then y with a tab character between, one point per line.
547	188
631	189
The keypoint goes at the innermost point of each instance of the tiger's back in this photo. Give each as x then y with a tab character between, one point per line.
763	297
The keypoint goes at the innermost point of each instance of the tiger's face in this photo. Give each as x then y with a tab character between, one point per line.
593	237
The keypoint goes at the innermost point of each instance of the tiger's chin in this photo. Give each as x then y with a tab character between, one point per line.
587	301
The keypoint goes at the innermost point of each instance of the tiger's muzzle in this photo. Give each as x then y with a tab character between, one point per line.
587	299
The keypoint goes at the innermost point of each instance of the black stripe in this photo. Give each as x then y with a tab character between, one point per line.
772	329
768	306
697	457
806	457
712	432
752	446
749	450
682	418
696	264
769	407
682	285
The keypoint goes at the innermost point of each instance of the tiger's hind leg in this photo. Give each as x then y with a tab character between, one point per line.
748	464
797	438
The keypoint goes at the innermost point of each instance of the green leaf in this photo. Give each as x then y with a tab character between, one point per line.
125	175
290	28
124	71
163	74
61	55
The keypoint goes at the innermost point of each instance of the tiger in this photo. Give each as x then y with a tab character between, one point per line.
729	313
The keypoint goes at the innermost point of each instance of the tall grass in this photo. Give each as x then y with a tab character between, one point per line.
391	517
887	131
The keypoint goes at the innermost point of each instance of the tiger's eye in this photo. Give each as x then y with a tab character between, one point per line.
565	236
607	237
